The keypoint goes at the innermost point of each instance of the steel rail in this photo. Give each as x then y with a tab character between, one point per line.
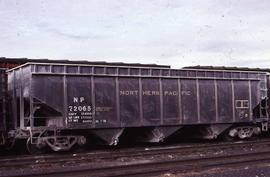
149	167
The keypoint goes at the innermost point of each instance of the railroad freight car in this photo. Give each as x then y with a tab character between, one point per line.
3	98
60	105
268	94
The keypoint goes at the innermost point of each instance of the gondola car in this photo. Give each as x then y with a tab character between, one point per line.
61	105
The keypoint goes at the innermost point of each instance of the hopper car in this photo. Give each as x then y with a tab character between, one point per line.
59	106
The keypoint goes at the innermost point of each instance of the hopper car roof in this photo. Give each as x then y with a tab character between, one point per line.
228	68
18	61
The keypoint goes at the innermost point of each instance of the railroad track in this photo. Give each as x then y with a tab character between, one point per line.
114	154
150	168
141	161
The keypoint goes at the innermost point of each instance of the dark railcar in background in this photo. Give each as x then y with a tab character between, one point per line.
59	105
268	95
3	102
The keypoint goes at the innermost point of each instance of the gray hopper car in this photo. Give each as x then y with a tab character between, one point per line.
60	105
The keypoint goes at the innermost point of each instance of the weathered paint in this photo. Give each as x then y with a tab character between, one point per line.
84	96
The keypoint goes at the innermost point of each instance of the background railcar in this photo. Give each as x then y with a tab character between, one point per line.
3	102
267	102
59	105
